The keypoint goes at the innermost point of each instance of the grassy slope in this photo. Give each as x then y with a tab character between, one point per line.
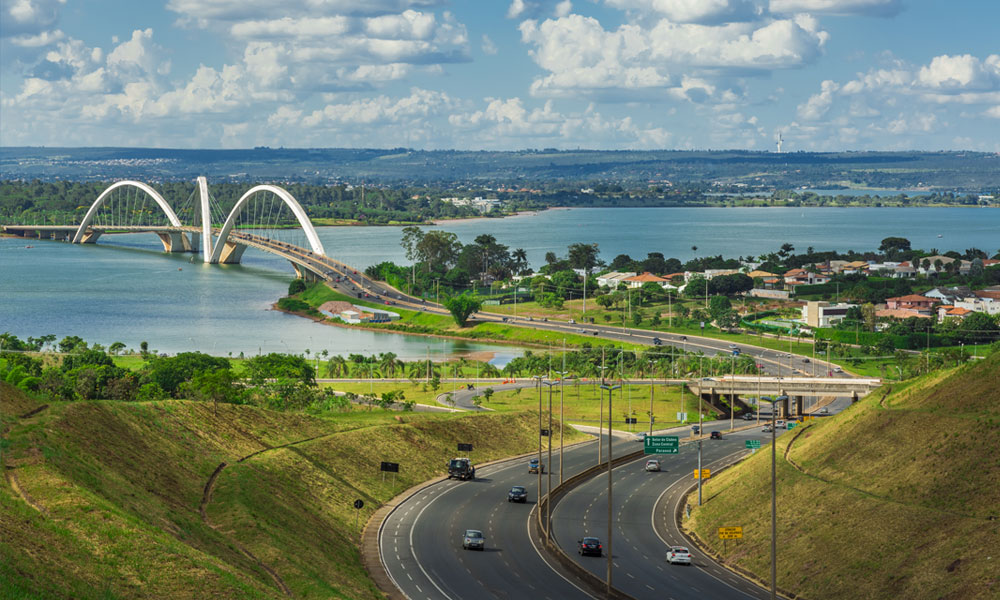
121	484
893	500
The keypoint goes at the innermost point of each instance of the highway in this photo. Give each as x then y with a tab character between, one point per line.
643	509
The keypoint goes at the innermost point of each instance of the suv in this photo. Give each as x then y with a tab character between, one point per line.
517	494
652	465
678	555
461	468
589	545
715	435
535	467
473	540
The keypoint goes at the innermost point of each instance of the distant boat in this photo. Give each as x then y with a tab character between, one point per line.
939	235
179	269
29	246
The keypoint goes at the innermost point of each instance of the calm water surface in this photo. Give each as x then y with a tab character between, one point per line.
125	289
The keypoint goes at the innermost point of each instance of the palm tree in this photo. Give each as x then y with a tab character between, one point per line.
337	367
520	260
388	363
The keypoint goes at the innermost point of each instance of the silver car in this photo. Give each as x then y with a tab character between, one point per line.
678	555
473	540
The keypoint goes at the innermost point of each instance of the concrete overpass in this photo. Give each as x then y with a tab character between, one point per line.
728	389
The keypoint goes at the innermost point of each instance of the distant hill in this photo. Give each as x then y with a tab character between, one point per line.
897	497
947	171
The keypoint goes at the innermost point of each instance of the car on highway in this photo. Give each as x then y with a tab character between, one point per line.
715	435
657	341
572	321
678	555
838	370
748	417
517	494
583	331
824	411
695	429
535	467
805	360
779	424
684	338
640	437
589	546
652	465
733	346
473	540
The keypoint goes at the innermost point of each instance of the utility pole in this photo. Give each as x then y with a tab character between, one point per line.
548	490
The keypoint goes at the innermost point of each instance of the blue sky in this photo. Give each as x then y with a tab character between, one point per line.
502	74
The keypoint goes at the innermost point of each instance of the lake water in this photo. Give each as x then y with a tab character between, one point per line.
125	289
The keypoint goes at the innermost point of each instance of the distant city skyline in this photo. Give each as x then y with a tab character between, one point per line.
825	75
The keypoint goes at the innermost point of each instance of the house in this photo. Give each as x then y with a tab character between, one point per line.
803	277
710	273
857	266
913	302
637	281
892	269
949	295
952	312
983	305
612	279
758	274
824	314
899	313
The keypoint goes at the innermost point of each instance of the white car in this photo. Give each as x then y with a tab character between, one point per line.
652	465
779	424
640	437
678	555
767	429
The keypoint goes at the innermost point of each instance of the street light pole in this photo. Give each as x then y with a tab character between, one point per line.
774	496
611	389
548	488
538	378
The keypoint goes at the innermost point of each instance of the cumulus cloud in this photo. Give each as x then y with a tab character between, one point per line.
694	11
488	46
580	55
28	17
872	8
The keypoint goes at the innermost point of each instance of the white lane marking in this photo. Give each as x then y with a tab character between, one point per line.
542	556
414	552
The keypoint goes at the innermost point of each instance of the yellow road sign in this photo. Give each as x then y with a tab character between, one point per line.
808	418
730	533
705	474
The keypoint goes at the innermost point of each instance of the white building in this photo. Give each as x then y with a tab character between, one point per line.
824	314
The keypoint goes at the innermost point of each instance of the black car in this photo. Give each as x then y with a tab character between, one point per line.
517	494
657	341
715	435
589	546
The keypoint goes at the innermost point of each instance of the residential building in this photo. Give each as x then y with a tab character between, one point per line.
637	281
612	279
900	313
803	277
914	302
824	314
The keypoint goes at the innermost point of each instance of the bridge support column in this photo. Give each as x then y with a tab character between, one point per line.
90	237
175	241
232	253
304	273
854	397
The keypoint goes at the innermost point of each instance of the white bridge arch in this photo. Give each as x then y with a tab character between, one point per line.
89	217
288	199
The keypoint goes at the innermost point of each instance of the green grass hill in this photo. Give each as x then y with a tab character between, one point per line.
126	500
897	497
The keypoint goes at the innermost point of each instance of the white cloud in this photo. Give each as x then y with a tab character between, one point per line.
874	8
694	11
581	56
960	73
993	111
28	17
204	12
818	104
45	38
488	46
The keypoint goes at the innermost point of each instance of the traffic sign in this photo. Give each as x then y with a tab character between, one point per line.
390	467
792	424
808	418
630	420
730	533
661	444
464	447
359	504
753	444
682	417
705	474
544	432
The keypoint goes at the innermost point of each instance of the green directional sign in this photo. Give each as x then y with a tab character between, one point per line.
753	444
661	444
792	424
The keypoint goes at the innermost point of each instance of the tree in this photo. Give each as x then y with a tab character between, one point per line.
583	256
215	386
718	305
116	348
893	247
438	250
296	286
71	343
279	366
488	393
337	366
462	306
144	348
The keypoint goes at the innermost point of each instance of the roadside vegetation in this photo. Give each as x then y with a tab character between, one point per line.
108	499
894	498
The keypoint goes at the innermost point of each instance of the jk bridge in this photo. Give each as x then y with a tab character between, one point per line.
266	217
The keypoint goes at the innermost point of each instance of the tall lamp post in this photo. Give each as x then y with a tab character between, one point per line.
562	397
539	378
774	495
611	389
548	488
